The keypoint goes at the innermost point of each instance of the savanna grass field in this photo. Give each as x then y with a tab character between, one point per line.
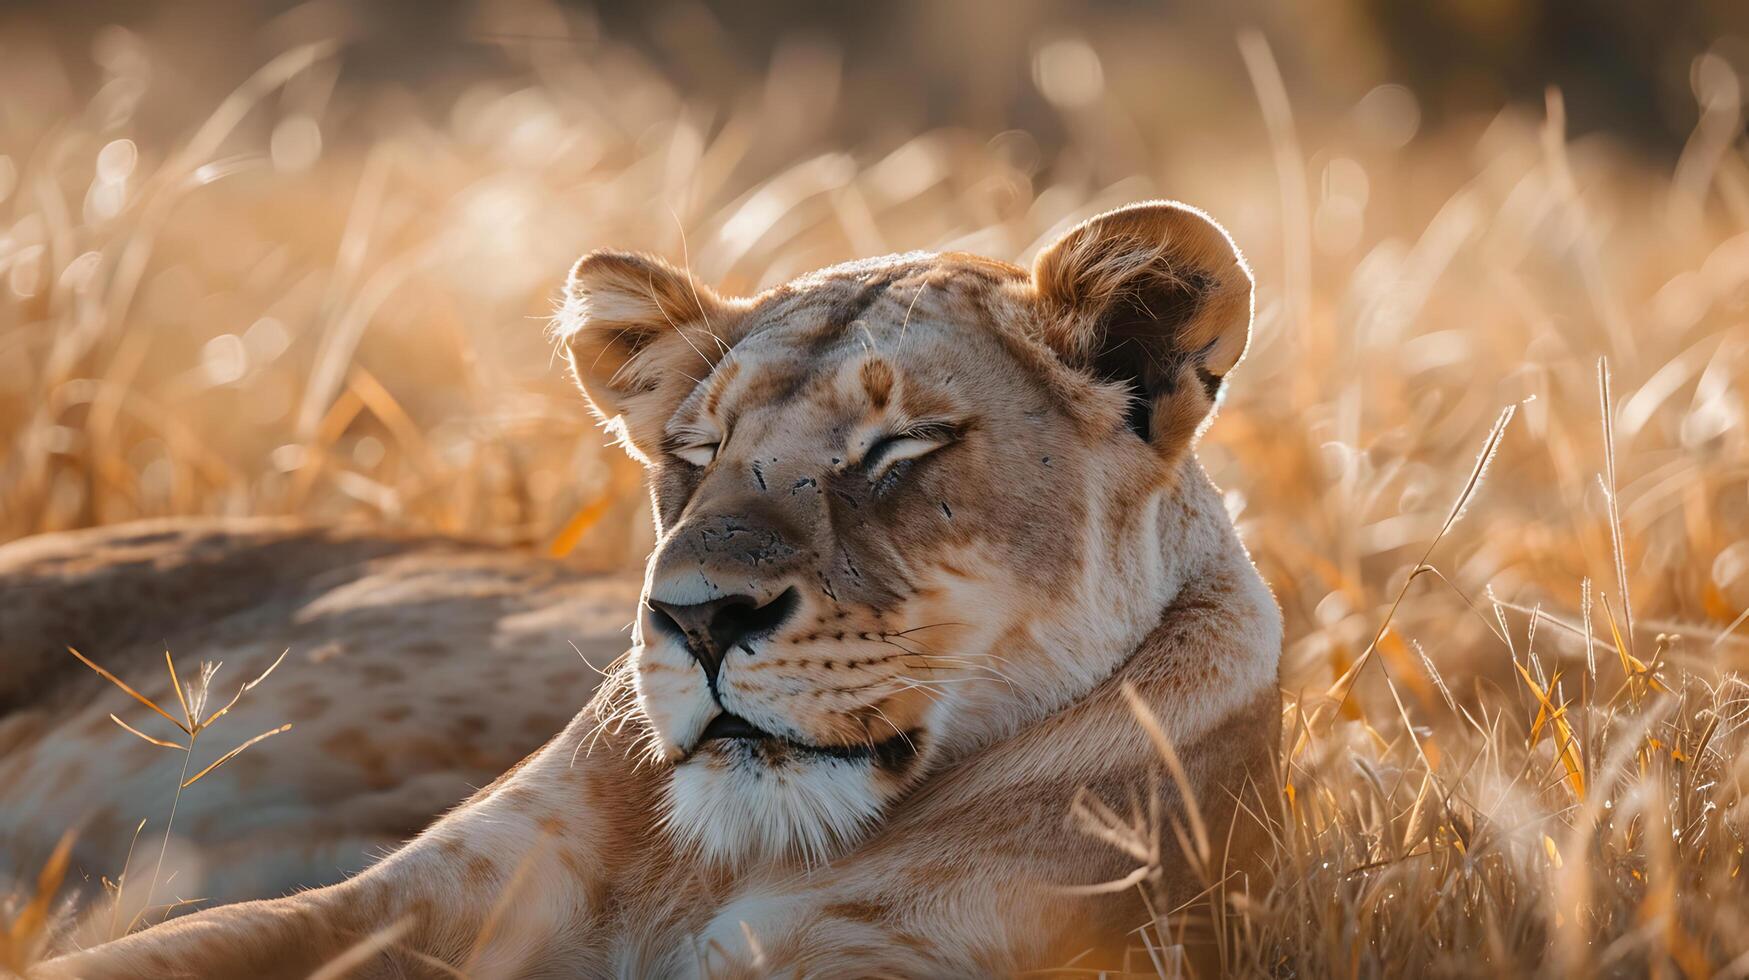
1488	446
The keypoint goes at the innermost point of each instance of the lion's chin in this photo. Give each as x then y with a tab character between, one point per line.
735	801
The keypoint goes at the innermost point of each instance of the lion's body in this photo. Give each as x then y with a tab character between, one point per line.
929	529
419	668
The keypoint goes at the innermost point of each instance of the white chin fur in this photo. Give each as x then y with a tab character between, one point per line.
748	810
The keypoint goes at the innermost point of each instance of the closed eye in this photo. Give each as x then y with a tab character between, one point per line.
698	454
917	441
695	446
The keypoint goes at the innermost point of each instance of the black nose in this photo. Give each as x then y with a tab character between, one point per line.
711	629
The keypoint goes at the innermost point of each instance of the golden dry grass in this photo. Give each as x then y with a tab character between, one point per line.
1529	757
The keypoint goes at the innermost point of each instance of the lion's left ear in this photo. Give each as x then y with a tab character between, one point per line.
639	334
1154	297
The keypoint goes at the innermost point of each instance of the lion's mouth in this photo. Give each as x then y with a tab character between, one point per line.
890	753
728	725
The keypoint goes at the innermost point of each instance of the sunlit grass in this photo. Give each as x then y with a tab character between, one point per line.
1513	743
1596	827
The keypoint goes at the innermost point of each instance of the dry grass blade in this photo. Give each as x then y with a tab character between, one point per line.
759	964
1169	755
1617	545
383	404
1632	667
1339	691
586	517
121	881
143	736
129	691
221	712
1566	745
1585	628
1099	820
1490	447
26	934
1421	822
500	907
1131	880
1272	97
228	756
193	724
270	669
207	140
364	951
1725	634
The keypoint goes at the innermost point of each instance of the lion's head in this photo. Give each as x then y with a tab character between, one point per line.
904	505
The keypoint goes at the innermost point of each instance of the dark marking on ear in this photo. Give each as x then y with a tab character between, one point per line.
1139	418
1139	345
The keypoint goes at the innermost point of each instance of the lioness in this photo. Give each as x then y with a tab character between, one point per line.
922	519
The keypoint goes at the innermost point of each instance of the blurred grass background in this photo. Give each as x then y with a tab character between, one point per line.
296	259
288	258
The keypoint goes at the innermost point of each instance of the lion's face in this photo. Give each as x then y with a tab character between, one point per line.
904	505
857	518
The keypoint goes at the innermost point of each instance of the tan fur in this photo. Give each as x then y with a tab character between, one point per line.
418	669
960	506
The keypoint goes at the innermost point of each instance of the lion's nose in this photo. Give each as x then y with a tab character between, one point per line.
711	629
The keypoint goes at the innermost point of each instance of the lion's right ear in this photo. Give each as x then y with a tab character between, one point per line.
1155	299
639	334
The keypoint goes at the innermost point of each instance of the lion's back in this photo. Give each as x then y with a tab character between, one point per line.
418	669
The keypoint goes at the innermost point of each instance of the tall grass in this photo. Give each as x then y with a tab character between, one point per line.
1591	822
1521	750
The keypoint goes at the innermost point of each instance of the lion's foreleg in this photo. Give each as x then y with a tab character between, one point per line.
493	884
